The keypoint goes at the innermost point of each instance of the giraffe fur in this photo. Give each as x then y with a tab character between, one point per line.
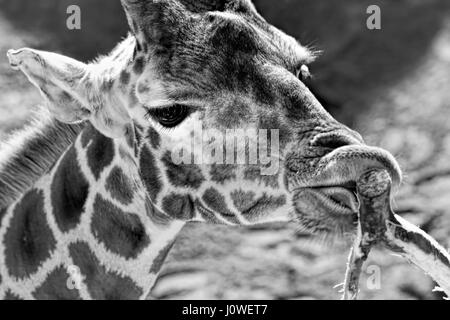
110	200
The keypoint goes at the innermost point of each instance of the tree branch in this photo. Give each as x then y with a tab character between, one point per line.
378	224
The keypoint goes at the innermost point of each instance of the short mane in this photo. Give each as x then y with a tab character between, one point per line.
30	152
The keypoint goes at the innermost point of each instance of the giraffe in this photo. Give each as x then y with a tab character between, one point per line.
92	186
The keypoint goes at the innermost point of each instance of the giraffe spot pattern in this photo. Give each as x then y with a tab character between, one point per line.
242	200
207	214
215	201
159	218
187	176
233	114
222	173
102	285
121	233
272	121
180	207
107	85
130	136
253	173
2	214
160	258
120	186
11	296
100	153
255	209
138	133
55	287
145	47
150	173
139	65
132	98
142	88
87	135
28	240
154	138
125	77
69	191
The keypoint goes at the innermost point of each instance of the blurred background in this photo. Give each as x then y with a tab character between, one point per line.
393	85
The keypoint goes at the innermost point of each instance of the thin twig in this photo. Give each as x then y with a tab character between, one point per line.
379	224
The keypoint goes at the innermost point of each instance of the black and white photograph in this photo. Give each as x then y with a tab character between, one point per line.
240	152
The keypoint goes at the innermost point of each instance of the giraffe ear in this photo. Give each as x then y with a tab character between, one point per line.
70	93
57	78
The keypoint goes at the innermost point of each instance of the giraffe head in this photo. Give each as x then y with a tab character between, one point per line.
212	99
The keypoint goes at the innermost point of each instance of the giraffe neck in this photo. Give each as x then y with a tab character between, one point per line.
87	229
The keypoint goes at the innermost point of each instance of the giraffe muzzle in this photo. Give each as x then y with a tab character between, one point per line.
13	59
327	199
347	164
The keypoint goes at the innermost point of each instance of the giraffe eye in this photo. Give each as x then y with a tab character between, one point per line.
303	73
170	117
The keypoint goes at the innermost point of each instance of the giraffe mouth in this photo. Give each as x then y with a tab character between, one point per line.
339	199
346	164
326	201
14	62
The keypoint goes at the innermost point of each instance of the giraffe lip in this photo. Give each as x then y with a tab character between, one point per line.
340	199
350	185
14	66
13	62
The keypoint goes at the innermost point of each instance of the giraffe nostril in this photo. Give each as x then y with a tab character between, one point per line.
332	141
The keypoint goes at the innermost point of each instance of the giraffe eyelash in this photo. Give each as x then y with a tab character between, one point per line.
171	116
158	126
